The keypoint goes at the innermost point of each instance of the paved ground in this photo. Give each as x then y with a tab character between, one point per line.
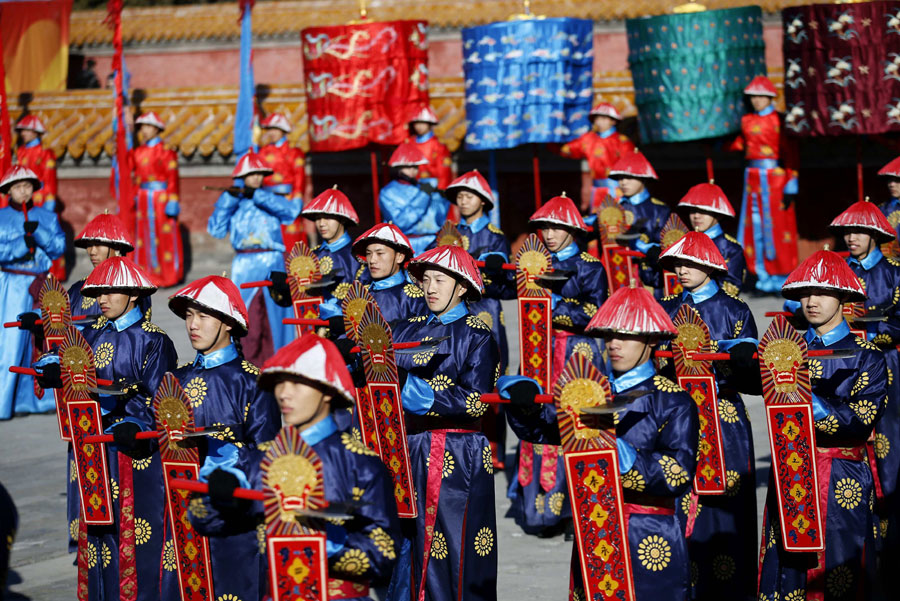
32	467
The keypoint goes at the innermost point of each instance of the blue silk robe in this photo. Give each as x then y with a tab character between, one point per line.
336	260
880	276
442	403
17	273
648	216
364	549
849	395
733	281
724	546
254	227
661	428
542	501
398	298
418	214
222	389
891	210
130	350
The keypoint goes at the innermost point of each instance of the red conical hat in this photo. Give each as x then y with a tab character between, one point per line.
407	155
865	215
633	164
251	163
605	109
695	247
892	169
823	270
150	118
761	86
631	310
708	197
561	211
18	173
118	275
452	259
426	115
313	359
107	230
276	121
216	295
33	123
473	182
383	233
333	203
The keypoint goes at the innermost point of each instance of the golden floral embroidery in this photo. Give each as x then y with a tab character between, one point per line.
114	489
228	597
355	445
589	309
105	555
839	581
353	562
474	406
828	425
169	556
815	369
583	348
728	412
738	326
484	541
141	464
555	503
357	493
882	340
383	542
149	326
100	323
196	391
73	530
633	480
142	530
655	553
723	567
197	508
732	482
797	595
487	459
417	318
589	258
413	291
103	356
341	290
865	344
494	229
357	434
562	320
730	289
91	555
440	382
882	446
502	319
486	319
665	384
686	506
473	322
249	368
674	474
540	502
326	264
865	410
848	493
861	382
423	357
73	474
87	302
261	538
439	546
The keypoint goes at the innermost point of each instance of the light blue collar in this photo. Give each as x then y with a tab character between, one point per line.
319	432
216	358
705	292
838	333
33	143
477	225
451	315
609	132
153	142
637	198
766	111
632	377
128	320
390	281
424	137
715	231
338	244
870	261
567	253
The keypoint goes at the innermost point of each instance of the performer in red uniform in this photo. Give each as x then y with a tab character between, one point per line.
157	207
32	154
288	165
601	148
421	128
768	226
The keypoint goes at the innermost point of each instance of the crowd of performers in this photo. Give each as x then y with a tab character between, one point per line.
254	377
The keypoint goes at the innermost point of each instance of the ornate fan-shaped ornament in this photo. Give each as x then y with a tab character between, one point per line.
302	268
292	480
581	385
354	307
532	260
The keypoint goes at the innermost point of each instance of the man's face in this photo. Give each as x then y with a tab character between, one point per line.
28	135
627	352
270	135
98	253
114	305
700	221
690	275
859	243
602	123
630	186
759	103
421	128
894	187
471	206
300	403
148	132
442	291
254	180
820	308
383	261
555	238
205	331
329	228
20	192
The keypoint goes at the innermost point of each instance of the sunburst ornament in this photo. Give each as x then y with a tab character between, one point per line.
55	309
174	419
532	260
581	385
302	268
693	337
292	480
354	306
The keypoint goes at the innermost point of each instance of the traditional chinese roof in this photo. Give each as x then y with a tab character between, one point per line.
155	25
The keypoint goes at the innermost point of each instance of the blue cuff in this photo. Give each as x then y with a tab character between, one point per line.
417	395
627	455
726	345
44	359
173	208
792	306
590	219
336	536
50	205
644	246
504	383
820	411
222	456
554	300
330	308
791	187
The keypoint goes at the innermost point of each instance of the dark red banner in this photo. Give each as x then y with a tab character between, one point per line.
842	68
363	82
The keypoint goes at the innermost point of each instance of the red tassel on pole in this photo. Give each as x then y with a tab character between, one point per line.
710	174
